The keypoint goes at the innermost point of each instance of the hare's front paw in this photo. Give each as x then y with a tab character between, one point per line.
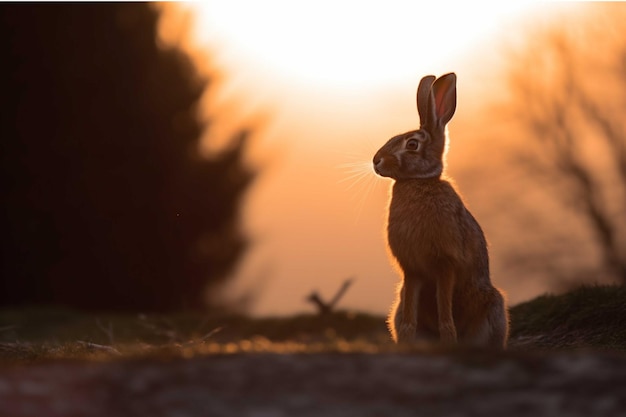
406	333
447	334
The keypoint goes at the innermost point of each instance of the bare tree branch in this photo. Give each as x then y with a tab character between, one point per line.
551	80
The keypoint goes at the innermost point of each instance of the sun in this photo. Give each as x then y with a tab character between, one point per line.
344	43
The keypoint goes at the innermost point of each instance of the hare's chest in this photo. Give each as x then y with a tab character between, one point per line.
411	228
419	231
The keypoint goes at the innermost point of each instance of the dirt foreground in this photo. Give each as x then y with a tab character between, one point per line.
322	384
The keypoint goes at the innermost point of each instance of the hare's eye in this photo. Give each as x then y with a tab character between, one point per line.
412	144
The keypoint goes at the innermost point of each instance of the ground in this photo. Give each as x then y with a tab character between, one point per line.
336	365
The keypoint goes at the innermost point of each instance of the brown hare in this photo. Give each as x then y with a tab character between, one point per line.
446	293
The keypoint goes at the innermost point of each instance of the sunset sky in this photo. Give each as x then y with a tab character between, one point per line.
325	84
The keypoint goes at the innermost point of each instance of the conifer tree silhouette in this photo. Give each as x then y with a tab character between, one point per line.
106	203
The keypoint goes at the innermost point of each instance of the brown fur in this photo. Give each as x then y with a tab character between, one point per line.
446	293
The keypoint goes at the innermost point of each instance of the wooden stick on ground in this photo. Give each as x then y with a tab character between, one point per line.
328	307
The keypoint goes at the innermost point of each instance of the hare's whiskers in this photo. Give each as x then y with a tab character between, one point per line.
356	172
370	182
360	180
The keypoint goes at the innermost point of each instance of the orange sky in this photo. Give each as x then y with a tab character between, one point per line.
333	84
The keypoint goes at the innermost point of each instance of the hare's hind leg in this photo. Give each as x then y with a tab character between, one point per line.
498	321
491	326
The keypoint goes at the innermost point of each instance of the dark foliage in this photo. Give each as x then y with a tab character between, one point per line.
106	203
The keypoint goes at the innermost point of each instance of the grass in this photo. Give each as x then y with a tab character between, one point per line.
33	335
590	317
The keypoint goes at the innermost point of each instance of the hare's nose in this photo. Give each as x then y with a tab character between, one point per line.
378	162
377	159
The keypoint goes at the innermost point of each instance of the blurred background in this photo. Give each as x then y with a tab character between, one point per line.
217	155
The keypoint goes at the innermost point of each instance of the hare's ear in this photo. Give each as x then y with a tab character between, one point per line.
444	98
424	99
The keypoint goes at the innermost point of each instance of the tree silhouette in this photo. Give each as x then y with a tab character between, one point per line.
569	84
107	203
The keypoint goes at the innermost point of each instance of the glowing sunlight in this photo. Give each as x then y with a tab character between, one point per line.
348	43
334	80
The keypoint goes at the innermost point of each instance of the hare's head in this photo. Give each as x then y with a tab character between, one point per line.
419	153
